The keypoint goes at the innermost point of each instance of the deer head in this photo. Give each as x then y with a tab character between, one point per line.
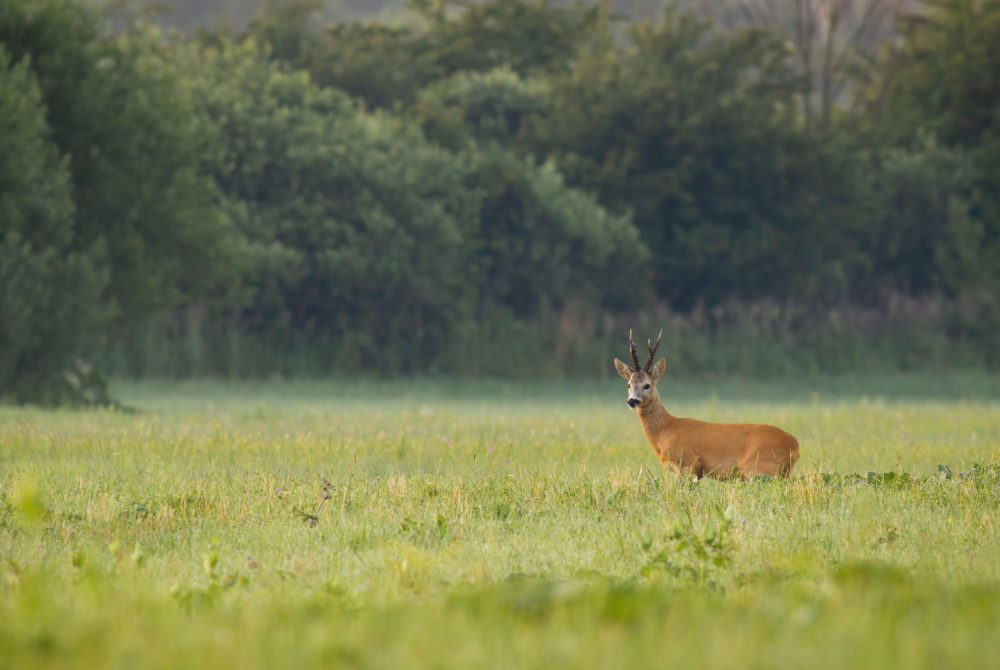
641	381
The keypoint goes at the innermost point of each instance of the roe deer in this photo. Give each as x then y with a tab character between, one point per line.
722	450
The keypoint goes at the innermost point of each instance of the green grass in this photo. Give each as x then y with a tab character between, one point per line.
464	524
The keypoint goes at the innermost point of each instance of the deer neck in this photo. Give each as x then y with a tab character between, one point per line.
654	417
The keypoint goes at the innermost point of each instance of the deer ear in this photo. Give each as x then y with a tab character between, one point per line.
658	369
624	370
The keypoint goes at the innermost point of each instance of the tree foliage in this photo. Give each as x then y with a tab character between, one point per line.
361	230
132	144
395	191
50	286
936	108
481	107
691	131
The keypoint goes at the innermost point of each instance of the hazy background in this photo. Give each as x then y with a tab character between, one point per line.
502	188
189	15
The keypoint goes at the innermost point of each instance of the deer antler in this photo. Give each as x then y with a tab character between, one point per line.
652	350
631	350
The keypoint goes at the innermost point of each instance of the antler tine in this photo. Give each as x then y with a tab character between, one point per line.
631	350
652	350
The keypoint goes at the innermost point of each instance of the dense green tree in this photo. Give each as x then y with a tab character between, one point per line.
387	65
526	36
936	107
133	143
393	194
362	231
918	203
694	132
941	78
480	107
540	243
357	226
50	285
377	63
288	27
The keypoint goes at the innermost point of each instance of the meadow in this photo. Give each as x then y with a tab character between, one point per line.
459	524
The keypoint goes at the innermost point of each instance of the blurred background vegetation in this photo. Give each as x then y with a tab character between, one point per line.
298	187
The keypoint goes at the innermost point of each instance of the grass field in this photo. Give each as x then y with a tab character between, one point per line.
459	524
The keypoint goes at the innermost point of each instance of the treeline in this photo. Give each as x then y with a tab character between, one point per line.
494	187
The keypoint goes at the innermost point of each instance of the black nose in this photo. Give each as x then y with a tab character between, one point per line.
632	402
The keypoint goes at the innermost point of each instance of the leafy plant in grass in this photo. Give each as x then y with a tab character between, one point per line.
692	553
196	597
427	534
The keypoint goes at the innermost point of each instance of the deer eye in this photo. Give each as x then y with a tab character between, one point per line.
646	387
